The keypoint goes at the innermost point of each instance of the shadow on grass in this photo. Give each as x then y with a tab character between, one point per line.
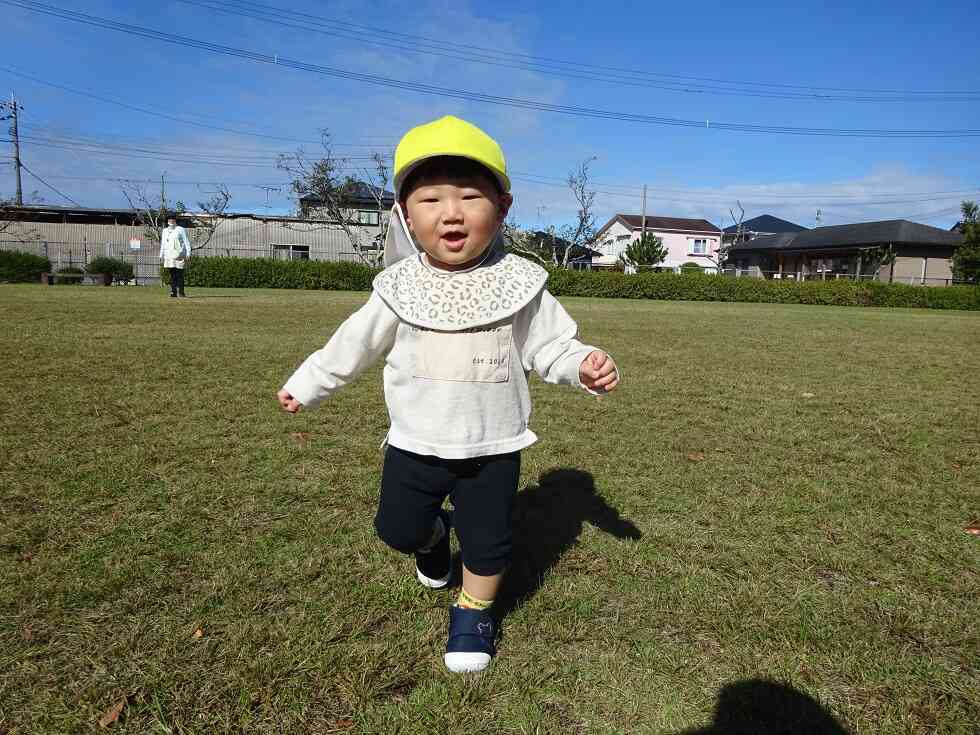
548	520
763	707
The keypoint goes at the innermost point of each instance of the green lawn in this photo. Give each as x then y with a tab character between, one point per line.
776	494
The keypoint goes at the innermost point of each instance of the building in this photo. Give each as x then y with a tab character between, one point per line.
922	254
764	224
72	236
686	240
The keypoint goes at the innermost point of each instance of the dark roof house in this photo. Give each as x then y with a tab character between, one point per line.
921	254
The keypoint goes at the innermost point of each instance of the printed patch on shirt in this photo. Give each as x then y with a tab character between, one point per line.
467	356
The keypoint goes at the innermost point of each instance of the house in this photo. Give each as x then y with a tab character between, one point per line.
367	203
686	240
922	253
764	224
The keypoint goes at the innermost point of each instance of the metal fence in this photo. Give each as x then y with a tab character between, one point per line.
830	276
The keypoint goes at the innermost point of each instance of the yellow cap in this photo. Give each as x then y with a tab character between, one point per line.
448	136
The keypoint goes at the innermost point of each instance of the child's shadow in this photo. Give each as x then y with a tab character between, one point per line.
548	520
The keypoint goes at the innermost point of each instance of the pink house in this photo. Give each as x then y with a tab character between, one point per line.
687	240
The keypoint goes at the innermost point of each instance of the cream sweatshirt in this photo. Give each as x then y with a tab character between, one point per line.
450	394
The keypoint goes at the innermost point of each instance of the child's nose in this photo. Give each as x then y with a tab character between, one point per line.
452	211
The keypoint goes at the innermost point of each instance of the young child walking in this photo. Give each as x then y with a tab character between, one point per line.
461	323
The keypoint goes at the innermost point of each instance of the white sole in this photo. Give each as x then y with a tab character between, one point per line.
463	662
434	584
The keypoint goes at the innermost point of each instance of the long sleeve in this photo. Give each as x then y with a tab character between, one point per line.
185	242
366	335
163	236
546	336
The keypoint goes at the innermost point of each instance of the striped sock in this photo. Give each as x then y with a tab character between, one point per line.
473	603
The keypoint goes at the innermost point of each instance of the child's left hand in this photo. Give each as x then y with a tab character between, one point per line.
598	372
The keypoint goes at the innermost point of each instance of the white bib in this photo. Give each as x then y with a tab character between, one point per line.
450	301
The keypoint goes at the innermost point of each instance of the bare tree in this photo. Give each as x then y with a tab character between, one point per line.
522	242
580	235
719	258
152	211
336	195
11	228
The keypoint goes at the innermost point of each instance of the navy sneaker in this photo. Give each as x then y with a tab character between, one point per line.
433	566
471	640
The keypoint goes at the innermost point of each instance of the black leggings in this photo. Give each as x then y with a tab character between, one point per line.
482	491
177	280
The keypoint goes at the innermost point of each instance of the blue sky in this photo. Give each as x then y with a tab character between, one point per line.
775	53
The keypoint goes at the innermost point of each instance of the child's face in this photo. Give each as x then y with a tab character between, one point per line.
454	220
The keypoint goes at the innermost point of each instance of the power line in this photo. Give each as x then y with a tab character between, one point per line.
175	118
566	69
56	191
433	90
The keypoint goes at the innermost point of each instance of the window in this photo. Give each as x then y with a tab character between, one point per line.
368	217
291	252
698	246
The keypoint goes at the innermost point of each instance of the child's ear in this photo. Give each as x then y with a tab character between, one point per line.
503	206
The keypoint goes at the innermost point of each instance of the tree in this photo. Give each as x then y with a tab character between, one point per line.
870	260
337	195
11	228
153	214
581	235
525	243
649	250
966	257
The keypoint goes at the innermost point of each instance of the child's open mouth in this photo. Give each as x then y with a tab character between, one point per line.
454	240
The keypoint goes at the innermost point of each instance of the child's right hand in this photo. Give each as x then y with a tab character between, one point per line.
287	402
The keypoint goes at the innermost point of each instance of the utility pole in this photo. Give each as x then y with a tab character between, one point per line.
643	223
12	107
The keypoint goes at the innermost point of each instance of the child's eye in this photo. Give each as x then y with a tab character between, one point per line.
471	196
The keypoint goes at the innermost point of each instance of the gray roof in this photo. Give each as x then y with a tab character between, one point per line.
766	223
860	234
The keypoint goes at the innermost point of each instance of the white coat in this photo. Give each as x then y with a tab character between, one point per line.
174	243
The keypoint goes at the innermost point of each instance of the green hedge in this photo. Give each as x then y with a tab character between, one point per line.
119	269
699	287
18	266
269	273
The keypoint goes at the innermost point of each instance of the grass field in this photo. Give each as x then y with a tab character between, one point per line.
765	526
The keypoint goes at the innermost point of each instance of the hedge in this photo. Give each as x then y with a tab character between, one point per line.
18	266
269	273
706	287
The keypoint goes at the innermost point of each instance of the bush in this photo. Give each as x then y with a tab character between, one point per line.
17	266
692	267
119	269
69	271
710	287
219	272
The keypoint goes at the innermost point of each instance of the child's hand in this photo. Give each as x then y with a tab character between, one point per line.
598	372
287	402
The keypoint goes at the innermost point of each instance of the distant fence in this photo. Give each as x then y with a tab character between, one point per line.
828	276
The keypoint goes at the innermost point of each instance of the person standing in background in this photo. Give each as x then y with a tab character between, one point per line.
175	249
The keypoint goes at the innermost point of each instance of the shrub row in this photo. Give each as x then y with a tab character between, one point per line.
307	274
18	266
269	273
699	287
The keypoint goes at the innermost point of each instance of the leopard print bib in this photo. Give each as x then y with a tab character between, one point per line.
452	301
